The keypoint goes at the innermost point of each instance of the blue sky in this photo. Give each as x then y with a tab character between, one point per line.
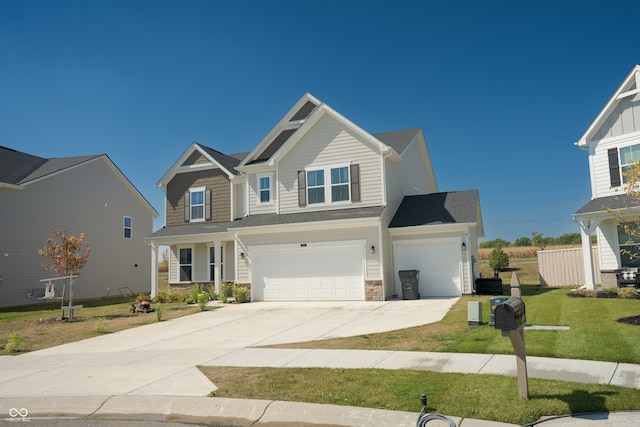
502	89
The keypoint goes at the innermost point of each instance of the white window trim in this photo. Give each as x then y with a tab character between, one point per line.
222	249
180	265
328	185
197	190
259	190
124	227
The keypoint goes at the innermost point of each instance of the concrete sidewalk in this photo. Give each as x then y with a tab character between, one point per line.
151	372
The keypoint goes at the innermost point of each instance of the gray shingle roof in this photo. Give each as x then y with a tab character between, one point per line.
19	168
619	201
399	139
438	208
229	162
269	219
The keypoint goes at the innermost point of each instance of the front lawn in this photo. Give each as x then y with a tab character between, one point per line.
39	326
594	334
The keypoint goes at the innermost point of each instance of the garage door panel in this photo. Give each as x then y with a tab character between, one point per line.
438	262
309	274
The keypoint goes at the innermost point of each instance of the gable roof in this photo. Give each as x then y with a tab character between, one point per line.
455	207
226	162
18	168
629	87
399	139
302	116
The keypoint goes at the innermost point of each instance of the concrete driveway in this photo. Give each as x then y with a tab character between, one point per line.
161	358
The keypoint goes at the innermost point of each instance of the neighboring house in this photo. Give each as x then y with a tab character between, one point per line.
319	210
85	194
613	143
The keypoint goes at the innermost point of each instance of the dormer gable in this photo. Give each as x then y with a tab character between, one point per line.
295	124
199	157
621	114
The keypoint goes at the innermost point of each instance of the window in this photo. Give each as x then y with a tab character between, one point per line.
315	186
186	265
629	245
337	191
264	188
197	204
127	225
340	184
212	262
628	156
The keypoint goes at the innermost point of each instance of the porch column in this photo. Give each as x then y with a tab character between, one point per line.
154	270
216	266
586	229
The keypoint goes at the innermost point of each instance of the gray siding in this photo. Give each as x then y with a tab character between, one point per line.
89	199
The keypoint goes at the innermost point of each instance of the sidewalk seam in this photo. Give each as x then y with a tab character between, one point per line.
484	364
613	375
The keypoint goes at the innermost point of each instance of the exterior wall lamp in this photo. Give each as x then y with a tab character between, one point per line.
373	249
241	255
464	246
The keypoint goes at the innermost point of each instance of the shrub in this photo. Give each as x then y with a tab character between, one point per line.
202	299
498	260
628	293
171	296
194	291
213	295
240	293
14	343
224	292
158	312
143	297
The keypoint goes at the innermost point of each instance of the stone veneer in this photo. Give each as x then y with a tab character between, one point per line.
373	290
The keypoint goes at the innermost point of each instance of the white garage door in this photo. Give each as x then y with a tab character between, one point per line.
439	262
308	273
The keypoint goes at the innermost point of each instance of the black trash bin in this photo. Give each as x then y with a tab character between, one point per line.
409	280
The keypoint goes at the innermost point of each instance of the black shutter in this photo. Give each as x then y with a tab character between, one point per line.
207	205
355	182
187	208
614	167
302	189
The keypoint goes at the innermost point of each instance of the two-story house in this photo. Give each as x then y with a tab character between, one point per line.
613	143
83	194
319	210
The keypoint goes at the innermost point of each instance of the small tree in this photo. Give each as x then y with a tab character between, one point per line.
629	221
498	260
66	256
537	240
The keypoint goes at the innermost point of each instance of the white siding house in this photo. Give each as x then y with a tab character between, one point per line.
319	196
80	195
613	143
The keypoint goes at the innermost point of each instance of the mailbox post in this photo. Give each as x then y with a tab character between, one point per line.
510	317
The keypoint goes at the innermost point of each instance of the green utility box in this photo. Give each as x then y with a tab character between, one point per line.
493	302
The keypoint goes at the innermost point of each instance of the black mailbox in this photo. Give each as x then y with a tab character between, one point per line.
510	315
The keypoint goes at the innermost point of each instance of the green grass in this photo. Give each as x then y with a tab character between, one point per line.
464	395
594	334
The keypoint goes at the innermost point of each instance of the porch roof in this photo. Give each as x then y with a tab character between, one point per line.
267	220
604	204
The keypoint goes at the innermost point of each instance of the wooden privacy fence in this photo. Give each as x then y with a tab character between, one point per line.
564	267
